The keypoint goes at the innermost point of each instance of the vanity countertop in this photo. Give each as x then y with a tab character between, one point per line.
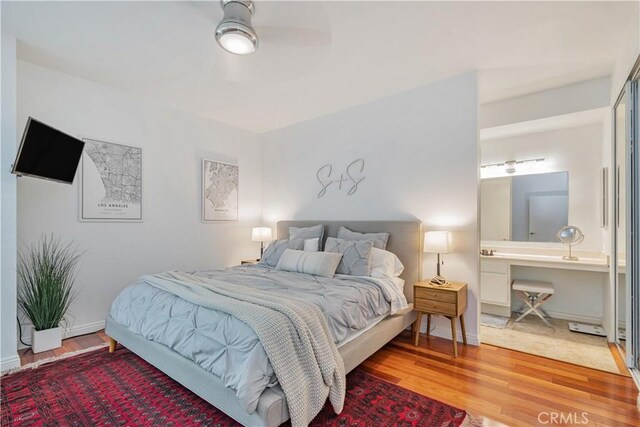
554	261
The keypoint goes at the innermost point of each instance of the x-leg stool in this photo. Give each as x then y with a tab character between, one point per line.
533	294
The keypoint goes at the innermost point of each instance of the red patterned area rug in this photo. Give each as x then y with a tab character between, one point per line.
121	389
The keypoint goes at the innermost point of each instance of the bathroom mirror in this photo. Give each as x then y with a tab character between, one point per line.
524	208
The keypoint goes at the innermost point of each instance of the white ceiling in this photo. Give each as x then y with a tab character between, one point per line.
315	58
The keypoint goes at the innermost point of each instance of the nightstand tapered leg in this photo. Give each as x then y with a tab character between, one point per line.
454	336
464	330
417	325
428	324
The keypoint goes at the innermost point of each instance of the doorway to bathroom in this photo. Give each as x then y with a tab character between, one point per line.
546	228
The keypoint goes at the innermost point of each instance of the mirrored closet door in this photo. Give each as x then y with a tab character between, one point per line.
620	135
632	210
627	222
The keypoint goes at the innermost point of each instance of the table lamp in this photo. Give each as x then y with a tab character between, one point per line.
437	242
261	234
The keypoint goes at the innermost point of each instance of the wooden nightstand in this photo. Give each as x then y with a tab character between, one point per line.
450	302
249	261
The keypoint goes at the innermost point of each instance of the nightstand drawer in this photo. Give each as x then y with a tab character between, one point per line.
432	306
436	295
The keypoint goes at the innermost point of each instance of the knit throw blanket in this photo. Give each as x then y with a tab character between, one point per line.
293	332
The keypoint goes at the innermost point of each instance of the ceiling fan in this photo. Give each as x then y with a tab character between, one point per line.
236	34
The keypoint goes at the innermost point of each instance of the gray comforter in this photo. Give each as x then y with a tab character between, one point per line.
228	347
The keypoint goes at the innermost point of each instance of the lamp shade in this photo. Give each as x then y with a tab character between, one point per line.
261	234
437	242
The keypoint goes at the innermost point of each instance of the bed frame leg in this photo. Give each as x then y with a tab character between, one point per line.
112	345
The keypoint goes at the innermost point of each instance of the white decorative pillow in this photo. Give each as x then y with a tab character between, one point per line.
385	264
311	245
315	263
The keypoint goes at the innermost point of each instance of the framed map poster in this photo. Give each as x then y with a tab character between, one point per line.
219	191
111	184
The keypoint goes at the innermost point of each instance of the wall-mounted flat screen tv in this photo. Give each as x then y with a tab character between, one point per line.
47	153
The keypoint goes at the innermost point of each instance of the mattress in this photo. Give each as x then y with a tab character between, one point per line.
227	347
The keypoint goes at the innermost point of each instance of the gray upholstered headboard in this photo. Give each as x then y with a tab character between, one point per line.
405	241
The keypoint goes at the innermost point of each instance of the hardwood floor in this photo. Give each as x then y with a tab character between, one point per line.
619	358
507	386
69	345
500	384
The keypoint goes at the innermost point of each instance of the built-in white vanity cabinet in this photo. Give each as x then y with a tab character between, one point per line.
497	273
496	283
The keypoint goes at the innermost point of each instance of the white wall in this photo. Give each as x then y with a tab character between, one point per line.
582	96
576	150
627	54
9	356
421	154
172	235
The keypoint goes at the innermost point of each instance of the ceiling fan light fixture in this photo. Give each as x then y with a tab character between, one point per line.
235	33
236	40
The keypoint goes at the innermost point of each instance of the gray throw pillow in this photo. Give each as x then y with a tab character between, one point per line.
274	251
305	233
380	240
356	259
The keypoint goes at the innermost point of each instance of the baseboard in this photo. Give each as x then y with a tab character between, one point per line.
574	317
87	328
496	310
446	334
9	362
507	312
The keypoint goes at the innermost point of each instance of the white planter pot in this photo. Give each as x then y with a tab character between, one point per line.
46	340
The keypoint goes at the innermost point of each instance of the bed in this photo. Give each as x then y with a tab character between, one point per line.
270	406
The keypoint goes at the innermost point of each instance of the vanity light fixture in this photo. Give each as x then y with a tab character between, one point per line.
510	166
234	33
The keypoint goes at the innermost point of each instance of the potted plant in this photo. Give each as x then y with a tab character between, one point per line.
47	271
